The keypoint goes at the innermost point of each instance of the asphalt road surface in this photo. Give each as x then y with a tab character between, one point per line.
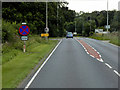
71	67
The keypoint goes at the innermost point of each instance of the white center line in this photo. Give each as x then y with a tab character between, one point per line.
108	65
116	73
101	60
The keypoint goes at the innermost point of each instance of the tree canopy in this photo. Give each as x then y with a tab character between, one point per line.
34	14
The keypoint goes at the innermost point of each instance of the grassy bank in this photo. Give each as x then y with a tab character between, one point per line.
17	65
112	37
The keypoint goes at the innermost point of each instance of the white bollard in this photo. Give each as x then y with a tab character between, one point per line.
24	48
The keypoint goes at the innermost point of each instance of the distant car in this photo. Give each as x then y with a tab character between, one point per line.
69	35
74	33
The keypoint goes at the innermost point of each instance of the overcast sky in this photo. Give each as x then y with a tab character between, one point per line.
92	5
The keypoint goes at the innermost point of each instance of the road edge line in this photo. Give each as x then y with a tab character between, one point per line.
113	45
29	83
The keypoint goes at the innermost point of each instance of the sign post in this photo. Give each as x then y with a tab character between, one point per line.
46	31
24	46
24	30
107	27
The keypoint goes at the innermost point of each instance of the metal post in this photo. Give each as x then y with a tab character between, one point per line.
90	24
57	15
75	26
24	47
107	16
46	17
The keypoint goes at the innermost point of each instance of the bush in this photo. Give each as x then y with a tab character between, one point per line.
9	31
113	37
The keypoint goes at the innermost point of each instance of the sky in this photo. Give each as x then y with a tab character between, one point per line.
92	5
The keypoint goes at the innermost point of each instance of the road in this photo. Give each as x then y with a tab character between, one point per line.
71	67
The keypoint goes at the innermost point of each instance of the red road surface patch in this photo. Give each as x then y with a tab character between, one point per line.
90	50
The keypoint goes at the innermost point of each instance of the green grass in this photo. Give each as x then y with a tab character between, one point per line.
0	68
112	37
0	77
15	69
55	37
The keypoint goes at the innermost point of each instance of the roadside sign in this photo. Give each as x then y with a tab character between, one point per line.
44	34
46	29
107	26
24	38
24	30
98	30
23	23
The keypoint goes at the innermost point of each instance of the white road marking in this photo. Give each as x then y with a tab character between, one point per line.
98	52
116	73
108	65
29	83
92	56
101	60
87	53
113	45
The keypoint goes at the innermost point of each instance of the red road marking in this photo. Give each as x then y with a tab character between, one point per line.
90	50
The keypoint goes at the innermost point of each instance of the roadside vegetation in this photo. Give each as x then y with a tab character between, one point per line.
111	37
86	23
17	65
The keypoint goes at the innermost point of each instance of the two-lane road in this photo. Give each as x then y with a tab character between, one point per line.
71	67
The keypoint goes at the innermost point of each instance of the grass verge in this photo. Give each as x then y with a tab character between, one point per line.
112	37
17	68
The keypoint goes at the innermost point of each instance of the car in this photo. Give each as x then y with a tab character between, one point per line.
69	35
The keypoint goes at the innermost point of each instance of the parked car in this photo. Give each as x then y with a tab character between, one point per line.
69	35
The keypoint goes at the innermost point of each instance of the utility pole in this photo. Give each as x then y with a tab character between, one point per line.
107	16
46	14
46	29
57	15
75	26
90	24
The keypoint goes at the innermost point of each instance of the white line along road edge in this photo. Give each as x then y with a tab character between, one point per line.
29	83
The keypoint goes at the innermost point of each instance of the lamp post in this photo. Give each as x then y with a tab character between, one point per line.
75	26
107	16
57	15
46	14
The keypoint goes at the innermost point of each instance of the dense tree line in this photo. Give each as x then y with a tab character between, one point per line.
88	22
60	19
34	14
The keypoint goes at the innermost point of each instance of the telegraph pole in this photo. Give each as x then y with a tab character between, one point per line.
46	14
57	15
46	29
75	26
107	16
